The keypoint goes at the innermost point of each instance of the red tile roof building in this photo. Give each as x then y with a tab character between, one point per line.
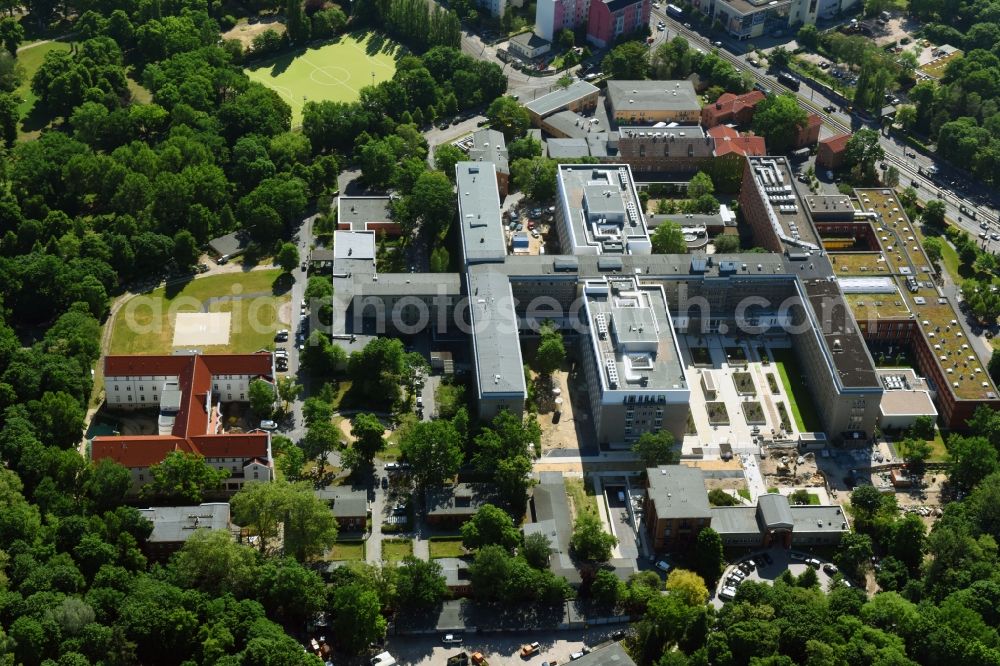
809	135
730	108
830	152
188	391
729	141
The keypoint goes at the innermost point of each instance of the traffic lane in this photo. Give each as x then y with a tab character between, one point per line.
499	649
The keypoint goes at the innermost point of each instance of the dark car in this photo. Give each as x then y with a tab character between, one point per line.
618	635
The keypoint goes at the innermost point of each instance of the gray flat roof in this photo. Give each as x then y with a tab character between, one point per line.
824	518
174	524
479	213
842	339
772	177
229	244
560	99
489	146
353	246
410	284
632	339
551	517
571	124
359	211
678	491
652	96
459	499
345	501
496	348
568	148
530	40
601	210
907	403
735	520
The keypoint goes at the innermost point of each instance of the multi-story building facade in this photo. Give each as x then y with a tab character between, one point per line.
188	390
610	19
747	19
632	363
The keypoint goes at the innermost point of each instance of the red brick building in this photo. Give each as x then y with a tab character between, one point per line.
809	134
730	108
831	151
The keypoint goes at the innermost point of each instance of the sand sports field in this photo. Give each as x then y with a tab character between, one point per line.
335	71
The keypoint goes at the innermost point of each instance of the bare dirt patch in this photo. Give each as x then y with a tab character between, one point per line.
245	32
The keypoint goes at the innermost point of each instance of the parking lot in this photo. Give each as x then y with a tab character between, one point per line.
499	649
781	560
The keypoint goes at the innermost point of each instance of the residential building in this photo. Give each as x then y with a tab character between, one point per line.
348	505
677	506
174	525
831	151
609	20
730	142
731	108
489	146
494	7
456	575
554	16
448	507
808	134
748	19
650	102
188	390
635	378
529	46
579	96
598	210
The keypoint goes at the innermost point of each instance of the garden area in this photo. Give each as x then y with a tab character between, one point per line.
803	409
395	550
786	423
701	356
736	355
717	413
753	413
446	547
581	495
347	551
772	383
744	383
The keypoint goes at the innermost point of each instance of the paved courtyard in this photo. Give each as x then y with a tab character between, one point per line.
781	559
738	433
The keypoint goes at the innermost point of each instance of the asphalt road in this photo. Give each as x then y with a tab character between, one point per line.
499	649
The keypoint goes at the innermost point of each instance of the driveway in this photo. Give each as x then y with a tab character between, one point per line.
499	649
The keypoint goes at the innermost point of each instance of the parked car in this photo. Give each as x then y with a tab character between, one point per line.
813	562
268	424
727	593
529	649
754	62
576	655
391	466
830	568
281	336
385	482
663	566
451	639
717	44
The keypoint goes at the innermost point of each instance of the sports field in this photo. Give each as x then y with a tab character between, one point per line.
335	71
248	307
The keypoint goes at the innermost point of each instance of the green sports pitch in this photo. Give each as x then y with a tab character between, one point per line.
335	71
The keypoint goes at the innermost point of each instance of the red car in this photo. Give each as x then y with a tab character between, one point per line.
531	225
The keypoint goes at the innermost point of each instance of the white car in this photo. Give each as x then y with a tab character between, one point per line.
268	424
727	593
451	639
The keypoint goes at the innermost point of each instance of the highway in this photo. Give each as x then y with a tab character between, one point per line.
895	151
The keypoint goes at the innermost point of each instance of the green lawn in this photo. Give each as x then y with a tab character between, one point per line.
446	548
335	71
31	59
803	410
145	323
347	551
394	550
582	495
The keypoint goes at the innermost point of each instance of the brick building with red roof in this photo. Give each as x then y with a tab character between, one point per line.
809	134
830	152
188	391
729	141
730	108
